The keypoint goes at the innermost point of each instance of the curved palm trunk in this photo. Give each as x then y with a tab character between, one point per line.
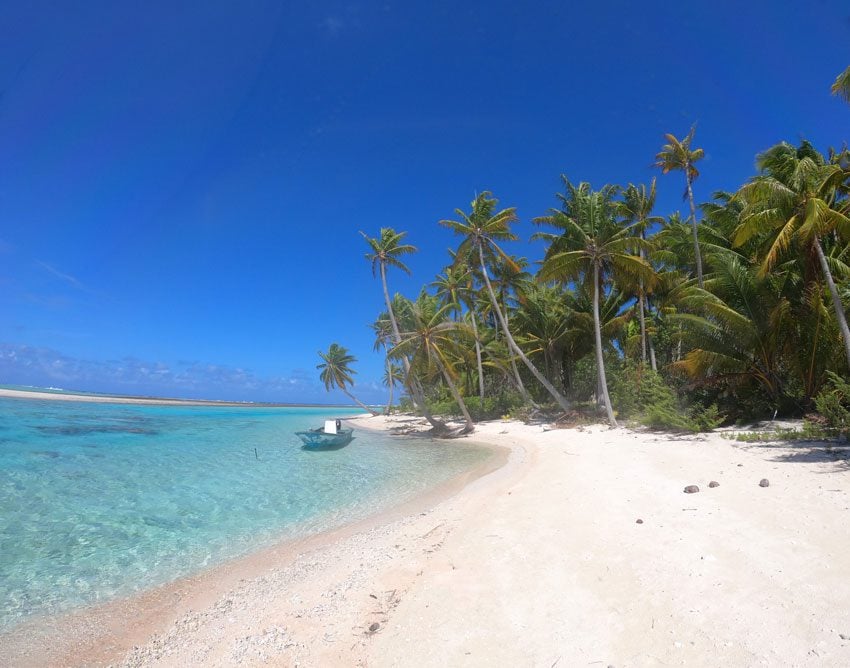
416	392
697	254
360	403
478	358
526	397
562	401
836	300
470	426
600	363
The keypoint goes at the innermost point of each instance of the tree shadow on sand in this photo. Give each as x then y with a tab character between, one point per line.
807	452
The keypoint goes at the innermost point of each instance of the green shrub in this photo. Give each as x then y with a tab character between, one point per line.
833	403
503	403
639	393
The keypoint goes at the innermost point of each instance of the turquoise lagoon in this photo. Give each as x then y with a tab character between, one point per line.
104	500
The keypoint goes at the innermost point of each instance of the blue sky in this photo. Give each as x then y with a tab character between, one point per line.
181	188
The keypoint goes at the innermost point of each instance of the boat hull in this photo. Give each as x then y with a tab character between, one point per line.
318	439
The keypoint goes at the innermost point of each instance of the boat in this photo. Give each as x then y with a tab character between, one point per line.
330	437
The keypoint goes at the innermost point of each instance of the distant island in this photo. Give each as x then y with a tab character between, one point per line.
53	394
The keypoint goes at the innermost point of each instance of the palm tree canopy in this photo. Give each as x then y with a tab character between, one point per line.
387	248
483	226
336	368
841	87
591	234
794	197
637	205
677	155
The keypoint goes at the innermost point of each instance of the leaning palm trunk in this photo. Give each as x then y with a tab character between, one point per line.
600	363
526	397
416	392
562	401
836	300
697	254
360	403
470	426
478	358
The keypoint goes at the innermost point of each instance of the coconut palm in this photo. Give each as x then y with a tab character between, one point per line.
841	87
543	320
383	339
455	286
430	342
593	246
392	375
482	228
386	249
636	209
678	155
791	206
509	278
738	327
336	371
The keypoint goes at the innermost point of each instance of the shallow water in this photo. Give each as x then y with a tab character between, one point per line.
103	500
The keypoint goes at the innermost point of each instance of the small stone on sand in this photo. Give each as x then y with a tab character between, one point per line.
764	482
638	521
691	489
714	483
374	626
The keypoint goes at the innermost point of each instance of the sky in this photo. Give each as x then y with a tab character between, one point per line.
182	185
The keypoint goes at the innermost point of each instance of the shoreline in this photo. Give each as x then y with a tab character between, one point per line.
104	633
582	549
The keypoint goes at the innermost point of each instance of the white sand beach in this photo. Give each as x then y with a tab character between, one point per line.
581	550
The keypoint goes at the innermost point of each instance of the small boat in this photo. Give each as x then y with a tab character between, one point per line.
330	437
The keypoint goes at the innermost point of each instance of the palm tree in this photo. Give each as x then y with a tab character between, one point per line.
678	155
337	372
841	87
392	375
386	250
739	327
430	340
455	286
796	201
482	228
592	245
636	209
542	318
383	339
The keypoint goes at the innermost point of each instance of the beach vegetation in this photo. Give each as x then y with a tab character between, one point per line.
336	372
736	312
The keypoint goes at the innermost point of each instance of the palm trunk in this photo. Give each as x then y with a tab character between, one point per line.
390	380
600	363
562	401
526	397
416	392
836	300
470	426
652	363
697	254
642	325
478	358
359	403
649	342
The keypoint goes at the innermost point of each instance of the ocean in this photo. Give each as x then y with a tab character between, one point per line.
99	501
